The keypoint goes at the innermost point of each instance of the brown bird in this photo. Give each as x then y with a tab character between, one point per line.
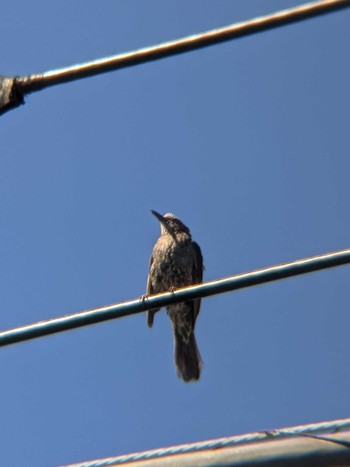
177	262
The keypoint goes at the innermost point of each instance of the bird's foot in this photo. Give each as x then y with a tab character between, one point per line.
143	299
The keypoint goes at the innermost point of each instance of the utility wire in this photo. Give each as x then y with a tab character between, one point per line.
13	89
252	457
239	281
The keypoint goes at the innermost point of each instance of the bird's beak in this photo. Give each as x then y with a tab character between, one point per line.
158	216
161	220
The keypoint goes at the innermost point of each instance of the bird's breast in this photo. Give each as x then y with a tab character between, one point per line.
172	264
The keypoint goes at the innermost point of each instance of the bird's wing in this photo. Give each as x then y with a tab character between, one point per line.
150	291
149	288
197	264
197	275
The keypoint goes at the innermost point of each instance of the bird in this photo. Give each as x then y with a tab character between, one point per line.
176	262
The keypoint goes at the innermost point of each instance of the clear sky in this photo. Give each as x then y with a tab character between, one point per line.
248	143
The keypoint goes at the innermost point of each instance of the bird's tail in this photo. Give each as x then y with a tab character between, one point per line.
187	357
150	316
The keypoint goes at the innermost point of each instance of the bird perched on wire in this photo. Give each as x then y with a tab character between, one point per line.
177	262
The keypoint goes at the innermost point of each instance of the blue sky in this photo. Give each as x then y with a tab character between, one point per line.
248	143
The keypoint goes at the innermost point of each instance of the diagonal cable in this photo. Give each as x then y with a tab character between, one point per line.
13	89
314	430
119	310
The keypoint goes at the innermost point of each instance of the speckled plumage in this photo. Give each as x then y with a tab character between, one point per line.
176	262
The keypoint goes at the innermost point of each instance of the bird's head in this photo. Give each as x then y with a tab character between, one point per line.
170	224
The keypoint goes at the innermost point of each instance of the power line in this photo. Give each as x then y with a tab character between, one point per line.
308	446
119	310
13	89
